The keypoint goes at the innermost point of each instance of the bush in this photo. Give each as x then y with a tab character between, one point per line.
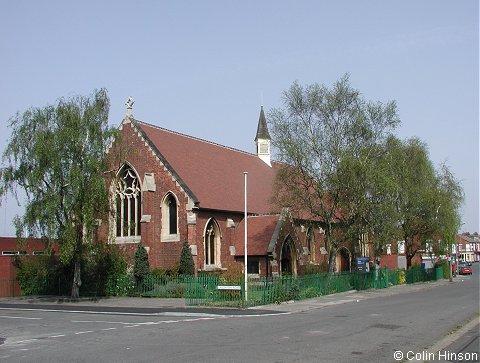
293	292
38	275
169	289
164	271
120	285
286	288
186	265
311	269
99	263
233	275
141	268
309	293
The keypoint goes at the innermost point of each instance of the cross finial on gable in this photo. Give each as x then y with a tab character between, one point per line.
129	103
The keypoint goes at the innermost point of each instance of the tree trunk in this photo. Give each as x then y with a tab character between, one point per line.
332	251
409	260
409	253
77	280
331	260
77	268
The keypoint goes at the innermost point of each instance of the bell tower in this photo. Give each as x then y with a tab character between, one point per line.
262	139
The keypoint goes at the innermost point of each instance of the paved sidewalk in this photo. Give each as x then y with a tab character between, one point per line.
121	302
462	345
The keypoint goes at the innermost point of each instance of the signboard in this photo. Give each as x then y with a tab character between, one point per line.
362	264
233	287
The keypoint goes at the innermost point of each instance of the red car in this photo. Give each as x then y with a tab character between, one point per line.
464	269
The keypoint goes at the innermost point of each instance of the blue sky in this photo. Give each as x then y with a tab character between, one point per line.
203	68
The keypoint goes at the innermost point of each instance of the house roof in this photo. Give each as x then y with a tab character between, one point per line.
212	173
260	233
468	238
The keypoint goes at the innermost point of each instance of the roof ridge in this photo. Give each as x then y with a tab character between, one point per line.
195	138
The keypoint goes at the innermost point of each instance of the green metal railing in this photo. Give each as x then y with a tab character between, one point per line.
262	291
213	290
415	274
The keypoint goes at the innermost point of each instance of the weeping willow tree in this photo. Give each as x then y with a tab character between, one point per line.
56	155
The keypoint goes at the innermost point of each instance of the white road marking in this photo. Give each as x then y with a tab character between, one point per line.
102	321
84	332
57	336
18	317
318	332
25	341
108	329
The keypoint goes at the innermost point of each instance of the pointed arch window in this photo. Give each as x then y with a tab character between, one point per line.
288	264
170	218
212	245
128	199
172	214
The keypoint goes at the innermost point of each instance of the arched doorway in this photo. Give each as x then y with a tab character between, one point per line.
288	265
342	261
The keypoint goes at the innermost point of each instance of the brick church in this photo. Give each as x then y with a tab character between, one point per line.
171	187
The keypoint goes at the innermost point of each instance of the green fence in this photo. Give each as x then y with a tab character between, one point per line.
270	290
212	290
416	274
261	291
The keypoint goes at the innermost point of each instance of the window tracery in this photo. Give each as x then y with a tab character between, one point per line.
128	199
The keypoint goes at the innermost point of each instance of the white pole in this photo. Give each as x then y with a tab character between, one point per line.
246	230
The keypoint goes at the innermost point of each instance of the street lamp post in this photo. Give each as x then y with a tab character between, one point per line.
450	262
245	241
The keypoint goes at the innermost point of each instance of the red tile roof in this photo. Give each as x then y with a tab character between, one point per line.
214	173
260	232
